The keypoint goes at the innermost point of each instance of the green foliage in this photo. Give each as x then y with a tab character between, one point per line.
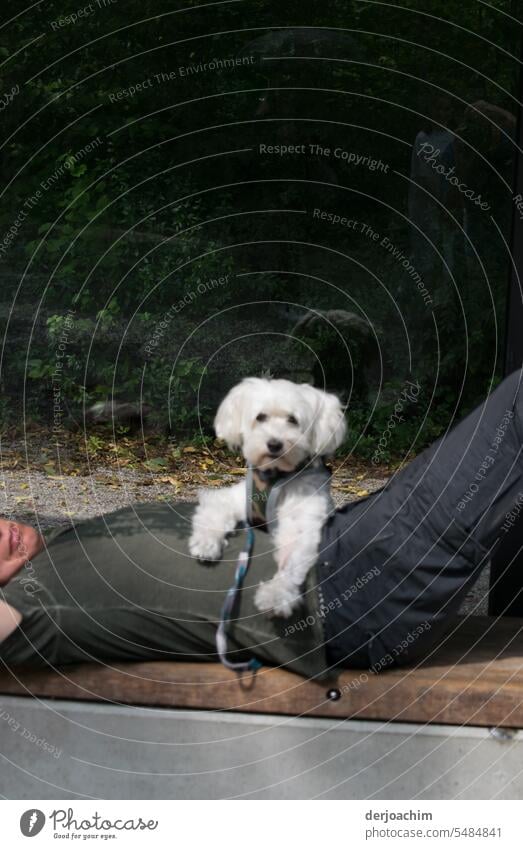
184	384
382	435
136	201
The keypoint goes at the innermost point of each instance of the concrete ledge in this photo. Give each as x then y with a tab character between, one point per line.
53	749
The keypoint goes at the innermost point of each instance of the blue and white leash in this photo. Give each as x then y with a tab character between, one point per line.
242	568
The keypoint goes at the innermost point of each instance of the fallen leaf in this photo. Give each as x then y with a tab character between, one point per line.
156	463
171	480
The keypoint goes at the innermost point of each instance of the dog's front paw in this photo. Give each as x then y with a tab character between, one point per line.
204	546
277	597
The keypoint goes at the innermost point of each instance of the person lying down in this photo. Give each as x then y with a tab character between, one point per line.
391	569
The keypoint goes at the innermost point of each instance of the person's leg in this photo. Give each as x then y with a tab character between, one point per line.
473	474
425	538
10	619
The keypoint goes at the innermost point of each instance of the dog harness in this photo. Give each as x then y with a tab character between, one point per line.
266	488
264	491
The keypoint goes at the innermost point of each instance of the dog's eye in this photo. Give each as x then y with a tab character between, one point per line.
261	417
292	420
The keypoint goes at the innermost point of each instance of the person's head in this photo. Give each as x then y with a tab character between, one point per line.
18	544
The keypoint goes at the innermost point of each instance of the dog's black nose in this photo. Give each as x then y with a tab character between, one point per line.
274	446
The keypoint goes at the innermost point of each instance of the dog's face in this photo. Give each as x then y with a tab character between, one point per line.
278	424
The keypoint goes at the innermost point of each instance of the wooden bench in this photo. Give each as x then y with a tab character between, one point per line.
475	678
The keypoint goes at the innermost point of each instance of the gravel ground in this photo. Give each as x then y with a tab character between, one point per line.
50	500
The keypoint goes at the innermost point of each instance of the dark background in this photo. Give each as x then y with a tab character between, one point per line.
102	243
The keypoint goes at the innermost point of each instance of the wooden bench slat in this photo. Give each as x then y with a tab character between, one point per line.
462	683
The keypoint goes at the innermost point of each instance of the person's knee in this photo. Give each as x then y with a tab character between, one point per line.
512	385
10	619
515	401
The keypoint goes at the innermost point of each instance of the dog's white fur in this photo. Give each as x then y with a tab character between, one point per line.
309	424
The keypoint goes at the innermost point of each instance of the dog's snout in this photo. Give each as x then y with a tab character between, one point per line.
274	445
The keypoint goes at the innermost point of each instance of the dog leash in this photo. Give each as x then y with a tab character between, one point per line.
244	558
242	568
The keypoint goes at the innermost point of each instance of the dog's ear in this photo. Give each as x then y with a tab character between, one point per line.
229	417
329	426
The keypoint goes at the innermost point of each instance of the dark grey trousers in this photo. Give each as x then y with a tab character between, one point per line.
396	564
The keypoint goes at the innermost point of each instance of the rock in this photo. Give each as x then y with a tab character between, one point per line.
125	413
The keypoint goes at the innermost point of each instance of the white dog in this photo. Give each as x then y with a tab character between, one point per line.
284	431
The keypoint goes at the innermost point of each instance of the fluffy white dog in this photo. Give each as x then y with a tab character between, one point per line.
284	430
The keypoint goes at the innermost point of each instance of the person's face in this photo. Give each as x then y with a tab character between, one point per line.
18	544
